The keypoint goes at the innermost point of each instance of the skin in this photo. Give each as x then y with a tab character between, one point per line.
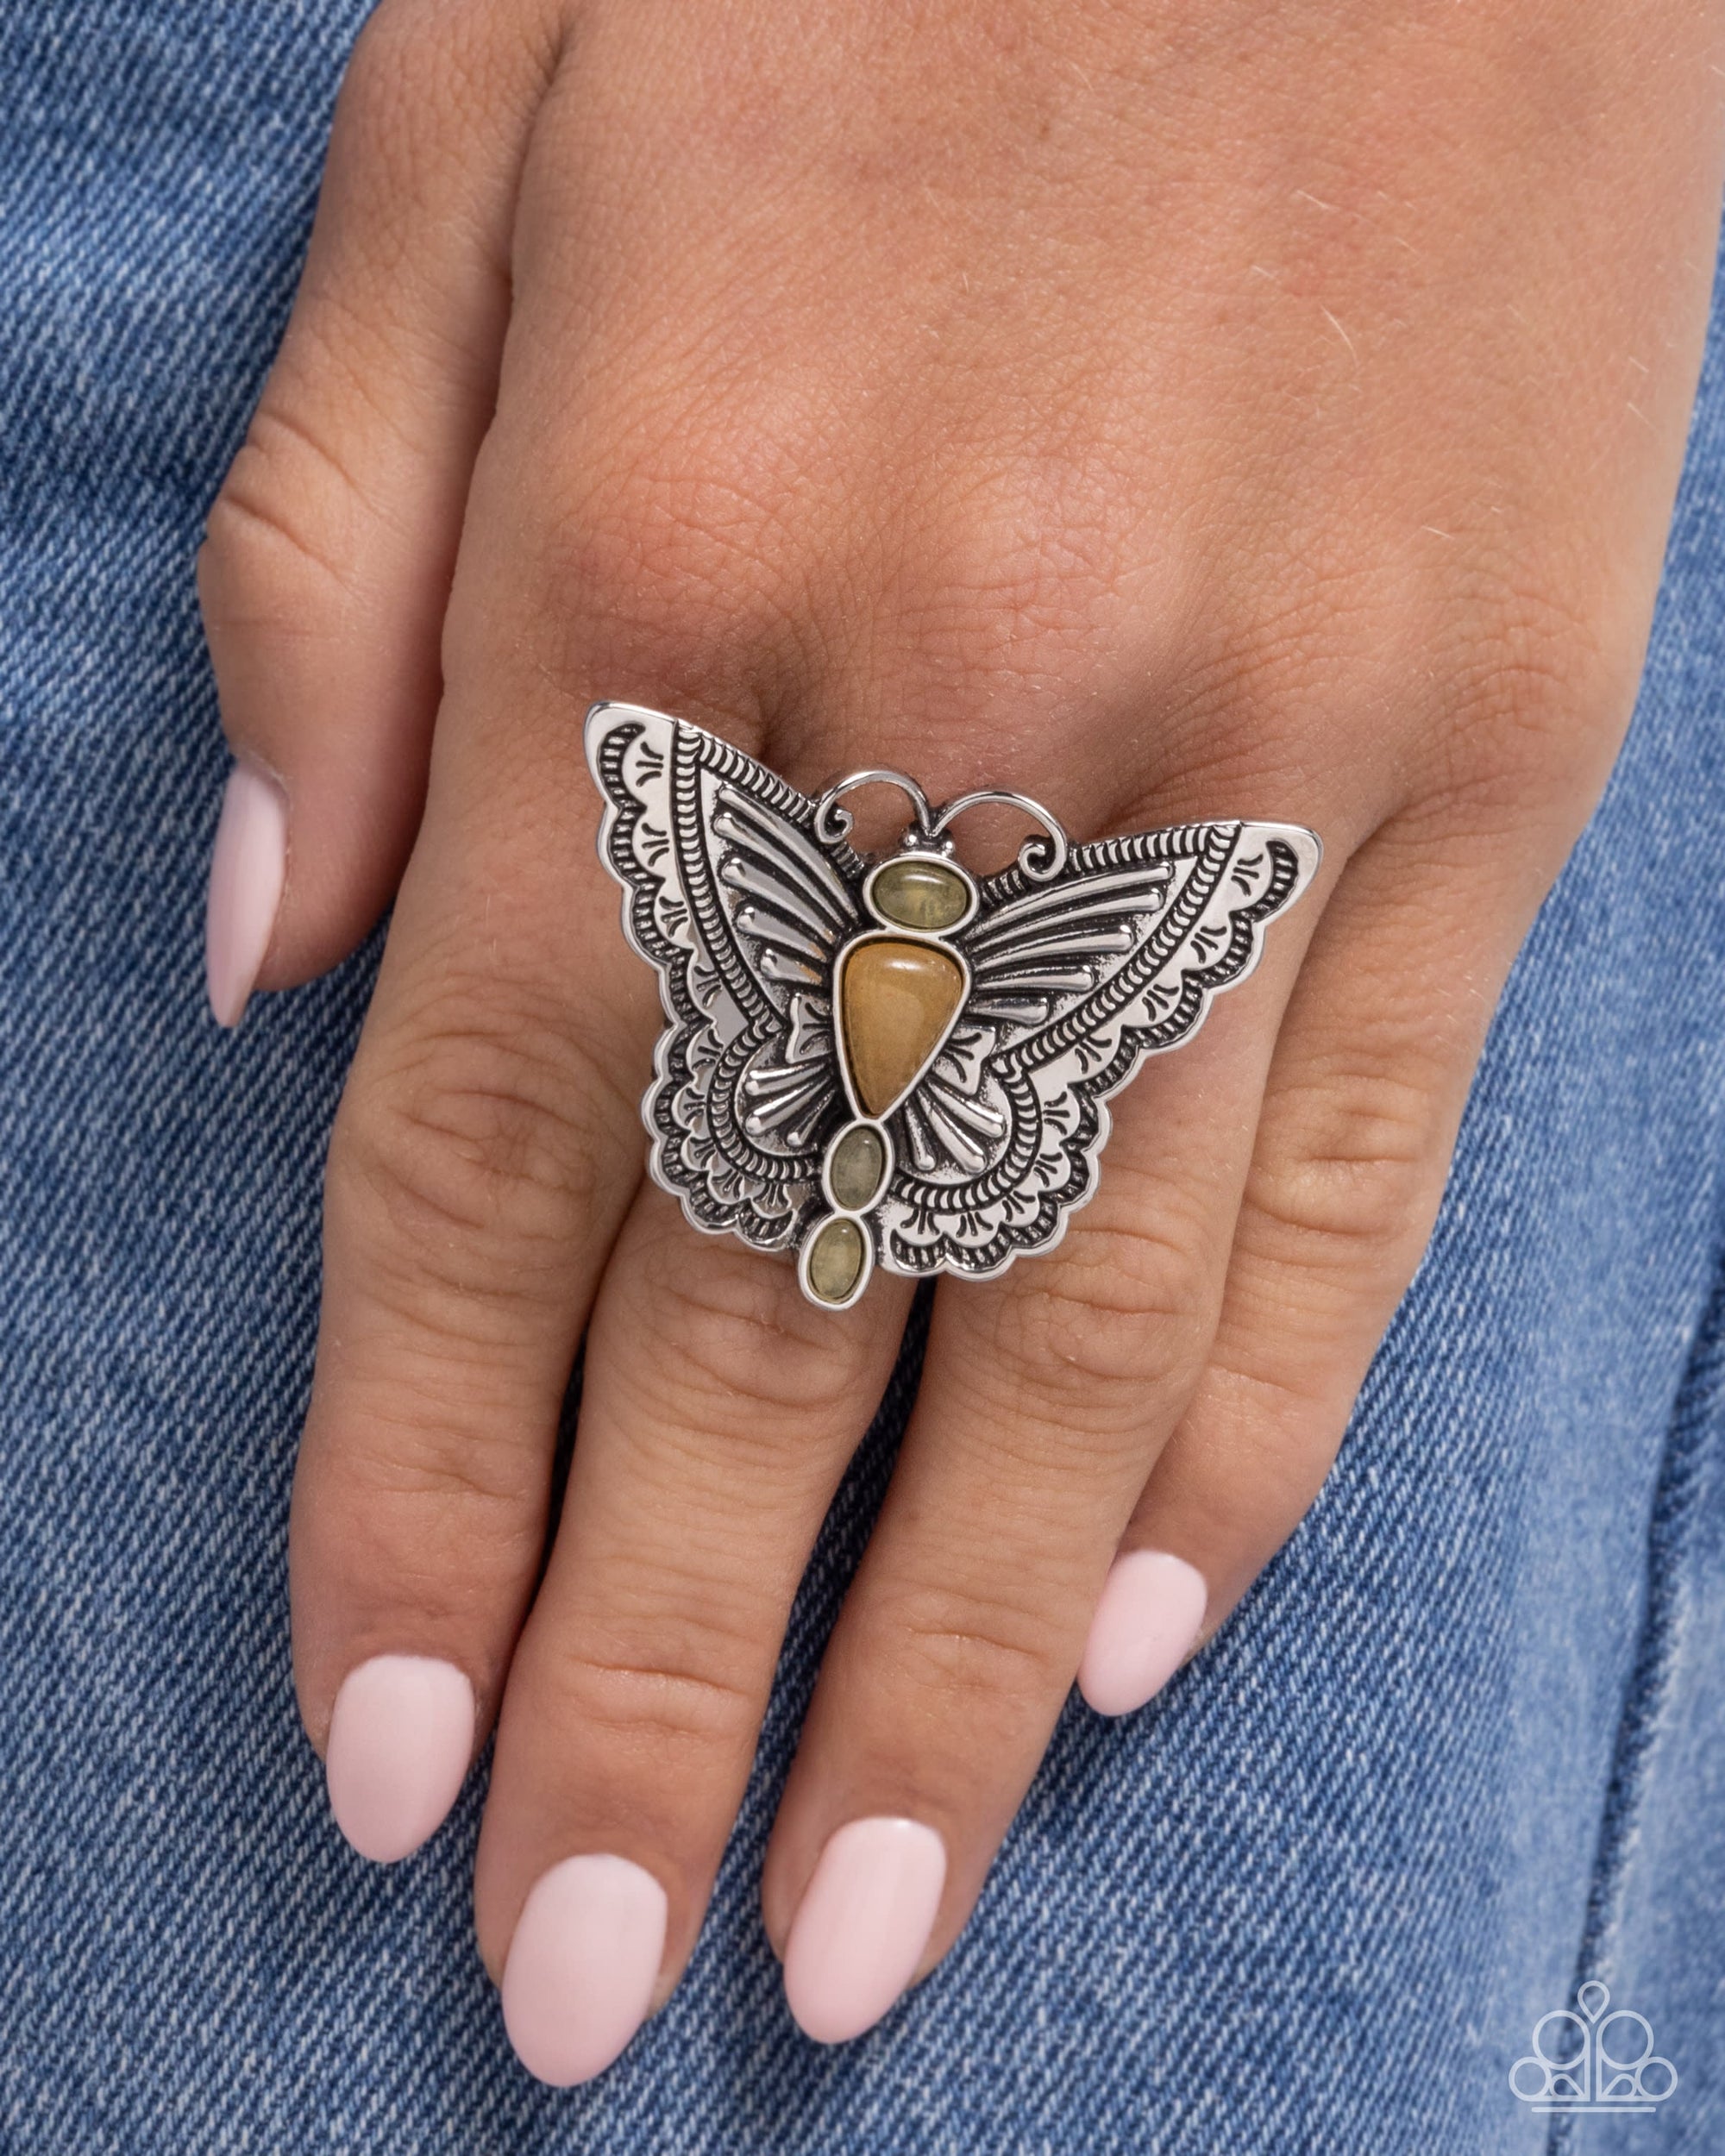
1247	411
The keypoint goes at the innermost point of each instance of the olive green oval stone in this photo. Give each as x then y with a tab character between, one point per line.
835	1259
854	1173
920	895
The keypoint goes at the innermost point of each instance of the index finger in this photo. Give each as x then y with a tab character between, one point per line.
484	1152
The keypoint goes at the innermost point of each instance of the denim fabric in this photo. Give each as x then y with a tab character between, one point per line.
1463	1749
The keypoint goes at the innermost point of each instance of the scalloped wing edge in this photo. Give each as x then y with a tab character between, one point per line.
605	719
1308	848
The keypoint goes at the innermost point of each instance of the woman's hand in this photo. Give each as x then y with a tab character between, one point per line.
1255	410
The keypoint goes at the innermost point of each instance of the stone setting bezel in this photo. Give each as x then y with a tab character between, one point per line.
859	1112
858	1123
935	860
865	1271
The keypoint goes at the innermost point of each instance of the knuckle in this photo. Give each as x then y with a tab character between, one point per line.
381	63
665	600
393	91
407	1413
422	73
417	1507
1539	697
688	533
1022	570
441	1521
430	1447
1353	1176
1117	1319
701	1697
470	1150
666	528
742	1349
282	524
976	1644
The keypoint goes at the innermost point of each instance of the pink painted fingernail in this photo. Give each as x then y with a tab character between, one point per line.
247	872
582	1967
1152	1611
401	1738
861	1928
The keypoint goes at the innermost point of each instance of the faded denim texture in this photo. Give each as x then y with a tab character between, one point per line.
1464	1747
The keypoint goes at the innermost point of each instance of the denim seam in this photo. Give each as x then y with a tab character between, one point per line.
1678	1494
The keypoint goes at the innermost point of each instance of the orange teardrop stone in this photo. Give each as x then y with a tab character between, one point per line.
897	1001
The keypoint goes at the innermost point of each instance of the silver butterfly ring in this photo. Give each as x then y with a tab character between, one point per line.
890	1062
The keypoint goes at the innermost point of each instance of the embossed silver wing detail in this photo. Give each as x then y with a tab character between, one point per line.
1074	981
741	910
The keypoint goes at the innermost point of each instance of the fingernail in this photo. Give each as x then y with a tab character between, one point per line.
582	1967
1152	1611
401	1738
861	1928
247	872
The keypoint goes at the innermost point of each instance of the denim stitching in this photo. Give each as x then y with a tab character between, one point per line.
1678	1497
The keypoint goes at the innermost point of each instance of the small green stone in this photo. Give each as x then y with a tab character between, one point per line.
920	895
858	1163
836	1260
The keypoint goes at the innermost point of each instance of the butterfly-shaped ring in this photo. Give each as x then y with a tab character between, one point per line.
890	1062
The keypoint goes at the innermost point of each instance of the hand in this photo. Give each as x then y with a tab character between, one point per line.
1272	414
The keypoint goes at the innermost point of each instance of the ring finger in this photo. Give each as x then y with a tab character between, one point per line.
1045	1396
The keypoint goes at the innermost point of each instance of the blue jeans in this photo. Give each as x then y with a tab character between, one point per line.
1462	1751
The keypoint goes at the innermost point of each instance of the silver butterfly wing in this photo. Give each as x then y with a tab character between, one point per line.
1074	981
742	911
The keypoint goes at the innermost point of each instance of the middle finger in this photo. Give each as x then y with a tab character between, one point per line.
718	1411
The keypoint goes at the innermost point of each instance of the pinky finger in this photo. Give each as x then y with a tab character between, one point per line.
1359	1122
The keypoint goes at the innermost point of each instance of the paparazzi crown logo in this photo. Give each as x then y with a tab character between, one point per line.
1587	2060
